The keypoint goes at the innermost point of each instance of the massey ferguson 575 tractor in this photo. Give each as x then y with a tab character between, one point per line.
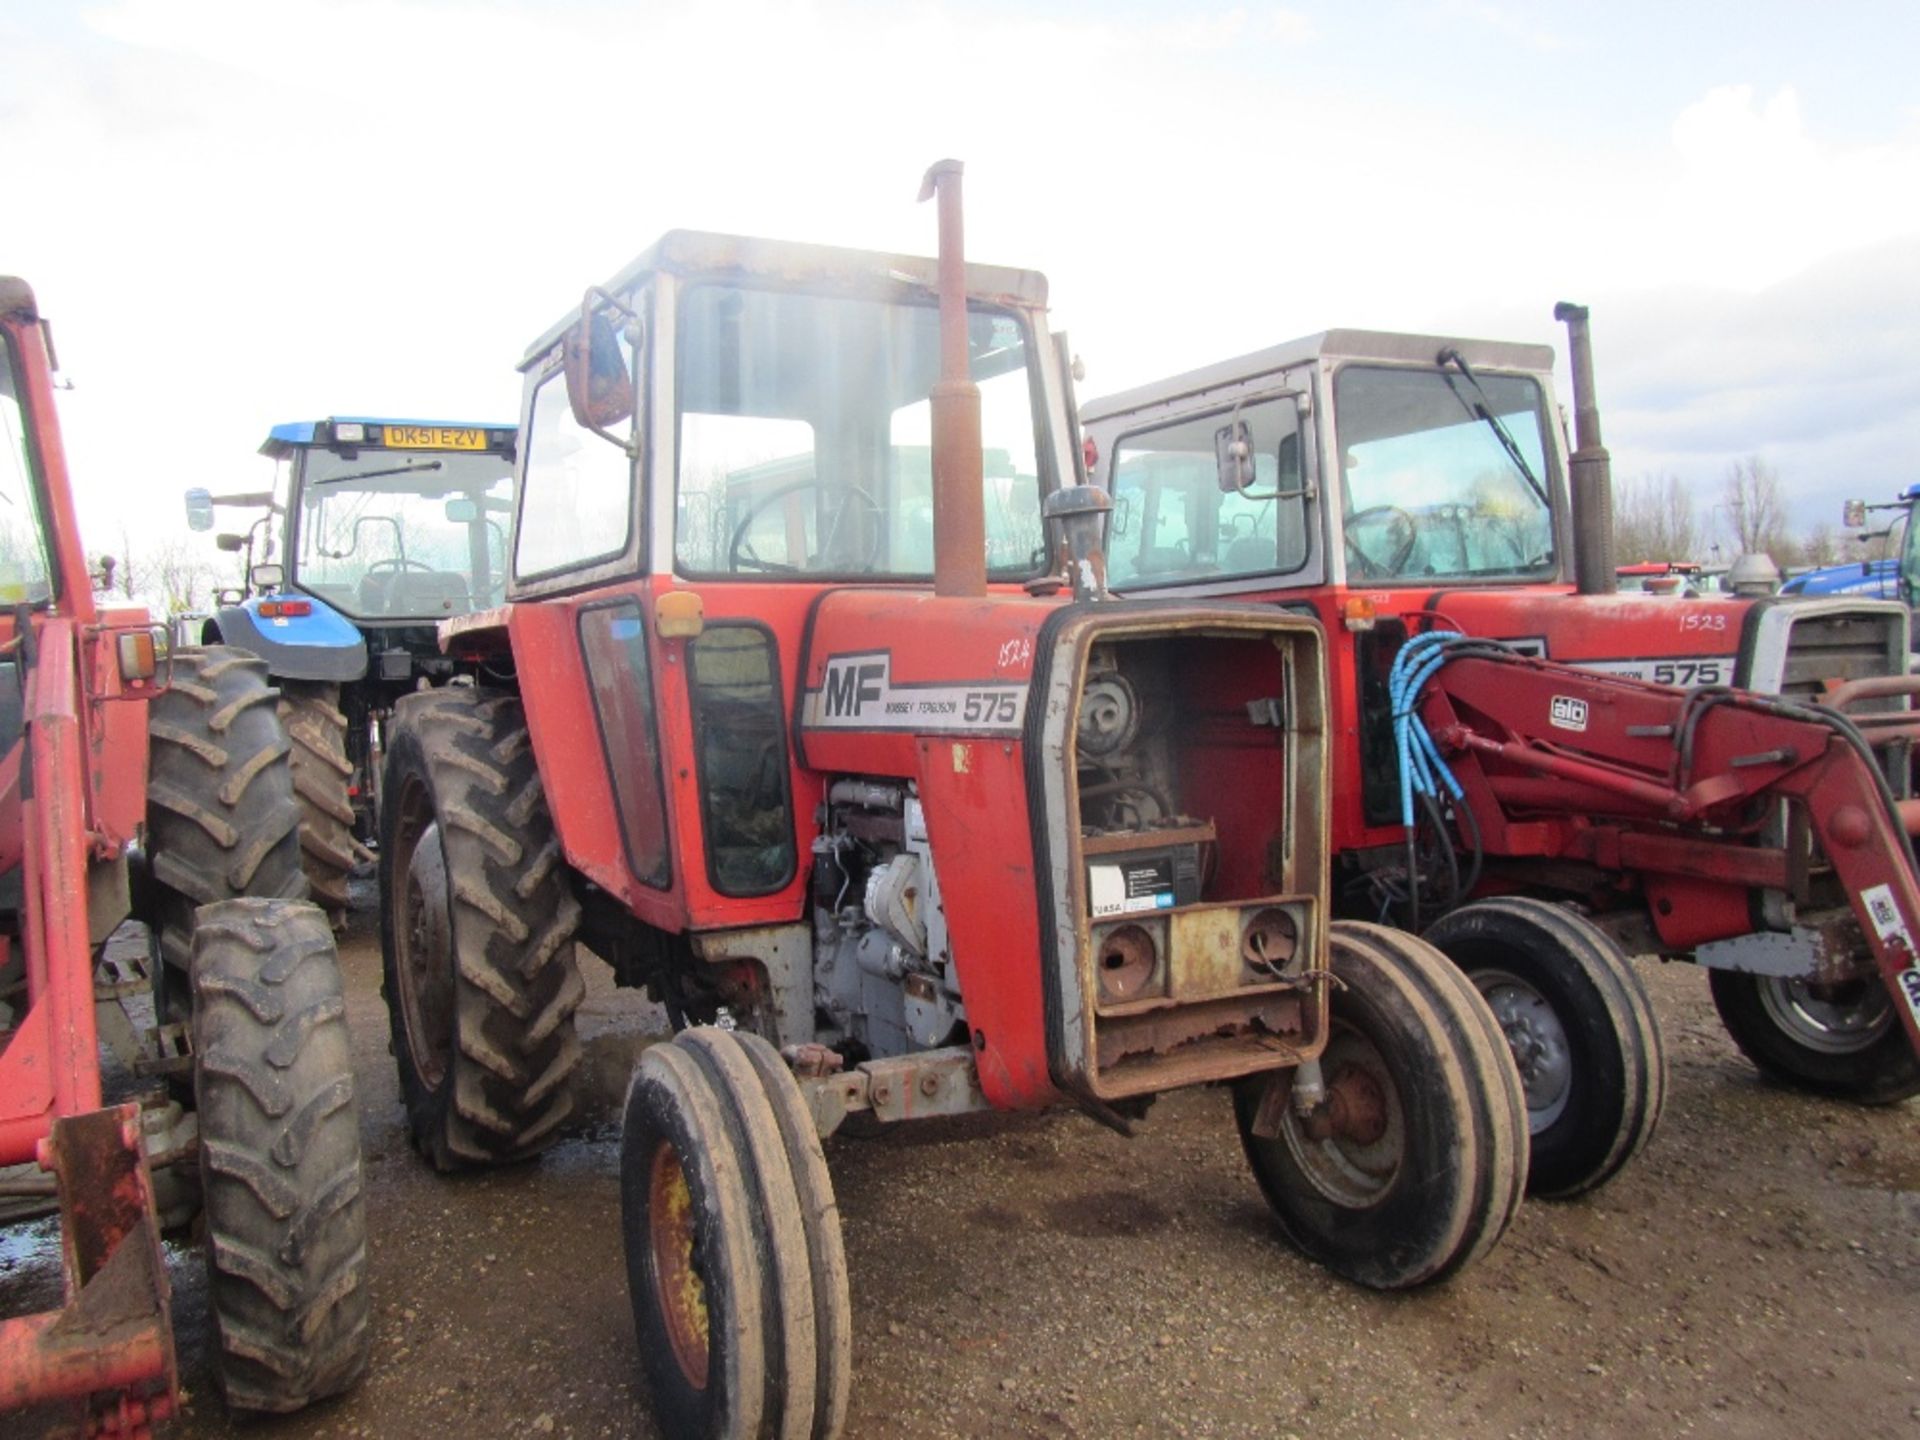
789	718
1412	493
132	782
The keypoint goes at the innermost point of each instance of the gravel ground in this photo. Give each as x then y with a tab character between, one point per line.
1754	1274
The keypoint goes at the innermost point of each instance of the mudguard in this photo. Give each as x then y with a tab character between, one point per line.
321	645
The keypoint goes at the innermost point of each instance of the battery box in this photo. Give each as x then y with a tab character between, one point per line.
1140	871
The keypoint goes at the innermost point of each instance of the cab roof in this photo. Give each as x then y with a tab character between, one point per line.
283	440
1336	345
829	268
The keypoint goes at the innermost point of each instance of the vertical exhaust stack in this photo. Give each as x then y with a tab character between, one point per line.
959	478
1591	467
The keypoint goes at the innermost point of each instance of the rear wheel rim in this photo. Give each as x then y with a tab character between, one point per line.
679	1290
1356	1166
1538	1041
423	942
1832	1019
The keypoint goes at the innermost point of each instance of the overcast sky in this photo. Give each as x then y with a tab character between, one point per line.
239	212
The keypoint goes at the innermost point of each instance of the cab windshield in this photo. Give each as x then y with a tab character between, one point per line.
804	436
25	577
403	534
1429	488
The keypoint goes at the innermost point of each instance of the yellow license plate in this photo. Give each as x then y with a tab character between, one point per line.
434	437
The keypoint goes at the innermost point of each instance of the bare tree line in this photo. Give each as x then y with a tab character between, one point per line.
1657	517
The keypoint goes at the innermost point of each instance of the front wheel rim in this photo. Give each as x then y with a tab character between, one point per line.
1537	1040
1844	1020
1356	1166
679	1290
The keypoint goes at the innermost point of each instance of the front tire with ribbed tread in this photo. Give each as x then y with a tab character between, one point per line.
222	820
477	919
279	1155
1581	1030
734	1260
1423	1161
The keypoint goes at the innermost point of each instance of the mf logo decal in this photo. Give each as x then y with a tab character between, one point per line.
1568	713
858	692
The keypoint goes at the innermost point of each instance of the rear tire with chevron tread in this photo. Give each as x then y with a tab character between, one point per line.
222	821
286	1229
322	781
477	918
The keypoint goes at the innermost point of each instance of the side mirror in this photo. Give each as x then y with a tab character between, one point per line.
268	575
600	386
462	510
199	510
1233	456
231	543
1854	514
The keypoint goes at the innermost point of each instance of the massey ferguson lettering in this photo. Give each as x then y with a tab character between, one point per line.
857	692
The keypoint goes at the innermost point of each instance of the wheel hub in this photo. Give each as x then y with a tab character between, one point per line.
1351	1149
1538	1041
1839	1019
679	1288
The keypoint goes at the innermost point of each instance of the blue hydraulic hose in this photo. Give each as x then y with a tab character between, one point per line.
1422	768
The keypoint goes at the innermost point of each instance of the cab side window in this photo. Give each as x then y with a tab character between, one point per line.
576	500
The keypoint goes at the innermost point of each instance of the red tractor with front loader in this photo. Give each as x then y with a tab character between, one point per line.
134	782
1676	794
805	712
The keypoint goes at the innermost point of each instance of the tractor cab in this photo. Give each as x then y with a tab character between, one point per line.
1350	457
1387	482
395	520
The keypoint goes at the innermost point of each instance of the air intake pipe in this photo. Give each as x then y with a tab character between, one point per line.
1591	469
959	475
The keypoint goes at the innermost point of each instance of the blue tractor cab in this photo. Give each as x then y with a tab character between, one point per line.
378	530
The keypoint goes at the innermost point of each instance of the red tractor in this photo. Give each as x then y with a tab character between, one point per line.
789	718
1392	485
137	783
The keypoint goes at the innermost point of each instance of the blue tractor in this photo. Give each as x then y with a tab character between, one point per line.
380	530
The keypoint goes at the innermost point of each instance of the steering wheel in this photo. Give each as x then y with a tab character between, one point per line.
740	554
1372	567
377	566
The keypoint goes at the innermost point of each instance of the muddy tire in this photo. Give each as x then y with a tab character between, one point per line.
477	919
1424	1160
322	779
280	1169
222	821
1580	1028
1843	1041
820	1213
722	1233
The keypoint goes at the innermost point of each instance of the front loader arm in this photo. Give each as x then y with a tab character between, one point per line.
1681	793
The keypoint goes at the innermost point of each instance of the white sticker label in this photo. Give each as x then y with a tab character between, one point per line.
1568	713
1885	914
858	693
1889	924
1131	886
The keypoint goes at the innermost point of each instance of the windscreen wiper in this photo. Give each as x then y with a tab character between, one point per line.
1482	409
380	474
